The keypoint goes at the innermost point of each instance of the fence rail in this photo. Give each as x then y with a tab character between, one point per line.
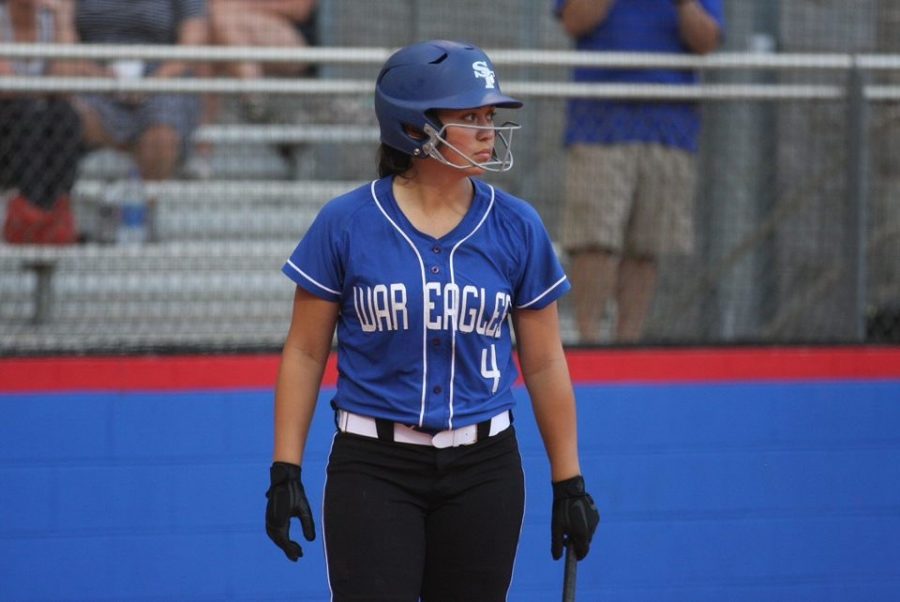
836	63
525	58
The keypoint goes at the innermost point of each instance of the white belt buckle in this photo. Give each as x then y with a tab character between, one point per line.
456	437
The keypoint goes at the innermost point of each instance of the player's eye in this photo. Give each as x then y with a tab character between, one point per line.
477	117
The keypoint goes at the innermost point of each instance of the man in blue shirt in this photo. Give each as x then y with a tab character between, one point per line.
630	174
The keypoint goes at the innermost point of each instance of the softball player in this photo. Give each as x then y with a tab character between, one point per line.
424	272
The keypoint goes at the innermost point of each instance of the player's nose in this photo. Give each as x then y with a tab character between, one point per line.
486	132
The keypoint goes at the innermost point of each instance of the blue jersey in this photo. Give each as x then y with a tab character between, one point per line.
424	331
636	26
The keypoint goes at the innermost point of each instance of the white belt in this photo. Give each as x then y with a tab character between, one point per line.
466	435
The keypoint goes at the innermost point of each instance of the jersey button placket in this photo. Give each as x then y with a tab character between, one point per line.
440	371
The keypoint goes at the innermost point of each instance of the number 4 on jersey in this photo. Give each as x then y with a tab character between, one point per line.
491	372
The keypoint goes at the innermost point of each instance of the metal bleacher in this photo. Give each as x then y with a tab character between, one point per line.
220	244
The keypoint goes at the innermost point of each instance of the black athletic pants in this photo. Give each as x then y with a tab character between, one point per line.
404	522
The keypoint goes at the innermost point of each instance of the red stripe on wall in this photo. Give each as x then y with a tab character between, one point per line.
734	364
143	373
589	366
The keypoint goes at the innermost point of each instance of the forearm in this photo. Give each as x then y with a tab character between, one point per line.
546	376
64	12
554	410
192	32
698	30
78	68
580	17
296	392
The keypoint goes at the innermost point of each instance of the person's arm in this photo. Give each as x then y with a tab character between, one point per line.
697	28
580	17
546	375
574	515
193	31
303	360
65	33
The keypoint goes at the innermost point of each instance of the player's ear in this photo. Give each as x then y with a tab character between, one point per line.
414	132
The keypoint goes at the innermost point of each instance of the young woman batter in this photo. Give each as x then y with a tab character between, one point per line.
421	271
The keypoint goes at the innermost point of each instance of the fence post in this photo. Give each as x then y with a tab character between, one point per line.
43	289
857	200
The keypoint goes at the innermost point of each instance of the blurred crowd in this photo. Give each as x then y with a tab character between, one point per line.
628	168
44	136
614	233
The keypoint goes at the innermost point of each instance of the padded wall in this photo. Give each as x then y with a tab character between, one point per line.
764	490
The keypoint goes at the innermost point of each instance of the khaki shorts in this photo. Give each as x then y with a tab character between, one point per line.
635	199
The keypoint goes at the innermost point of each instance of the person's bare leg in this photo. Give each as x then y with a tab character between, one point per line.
593	275
93	132
156	152
634	296
239	24
268	30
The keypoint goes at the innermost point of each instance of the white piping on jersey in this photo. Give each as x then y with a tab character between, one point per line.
324	526
521	526
313	280
542	295
453	281
424	303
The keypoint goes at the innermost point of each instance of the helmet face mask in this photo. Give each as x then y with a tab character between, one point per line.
497	163
422	78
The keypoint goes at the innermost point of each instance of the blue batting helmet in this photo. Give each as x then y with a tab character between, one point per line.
437	74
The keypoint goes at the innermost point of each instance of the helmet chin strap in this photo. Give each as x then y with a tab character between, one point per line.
495	164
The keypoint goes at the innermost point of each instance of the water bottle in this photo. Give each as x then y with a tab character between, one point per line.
132	210
106	227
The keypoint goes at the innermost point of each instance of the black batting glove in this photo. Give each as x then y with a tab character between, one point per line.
575	518
287	499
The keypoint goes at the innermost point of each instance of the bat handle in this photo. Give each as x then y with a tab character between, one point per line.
569	576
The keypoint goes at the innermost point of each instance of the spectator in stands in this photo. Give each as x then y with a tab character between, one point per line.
281	23
630	166
155	128
40	134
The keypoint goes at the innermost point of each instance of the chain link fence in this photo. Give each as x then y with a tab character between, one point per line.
797	218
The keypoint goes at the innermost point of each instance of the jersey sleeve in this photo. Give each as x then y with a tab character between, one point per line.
558	6
315	264
717	12
542	279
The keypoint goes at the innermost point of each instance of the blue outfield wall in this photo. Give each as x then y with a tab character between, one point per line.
708	492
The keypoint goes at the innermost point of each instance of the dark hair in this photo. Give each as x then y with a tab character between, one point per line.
392	162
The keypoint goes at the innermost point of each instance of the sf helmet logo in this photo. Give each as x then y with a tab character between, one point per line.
481	69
